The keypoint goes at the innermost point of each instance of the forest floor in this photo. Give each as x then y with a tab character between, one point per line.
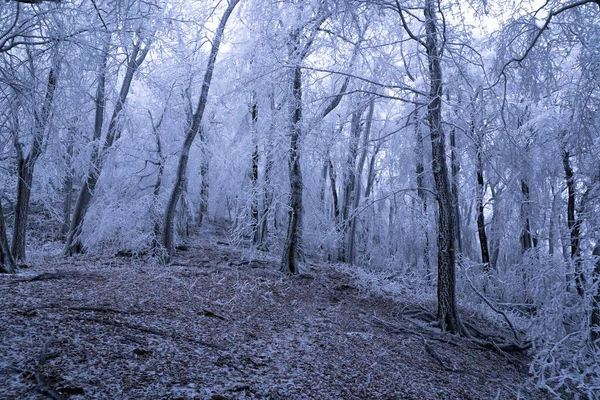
215	325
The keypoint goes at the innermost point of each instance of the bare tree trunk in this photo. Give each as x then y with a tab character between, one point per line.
293	243
420	172
349	187
168	239
136	58
359	170
447	314
334	194
595	317
26	167
483	241
573	224
256	236
371	173
160	163
7	262
455	168
68	185
527	241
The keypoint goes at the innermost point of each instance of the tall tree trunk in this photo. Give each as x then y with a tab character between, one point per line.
349	187
359	171
7	262
527	241
136	58
420	172
371	173
334	195
160	163
595	317
573	224
483	241
68	184
447	314
455	168
168	239
293	243
254	221
26	167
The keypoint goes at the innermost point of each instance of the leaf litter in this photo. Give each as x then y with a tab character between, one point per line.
215	325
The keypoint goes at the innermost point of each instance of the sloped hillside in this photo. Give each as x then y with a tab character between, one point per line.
217	326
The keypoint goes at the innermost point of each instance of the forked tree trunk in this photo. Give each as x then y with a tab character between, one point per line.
25	170
357	190
447	315
168	239
136	58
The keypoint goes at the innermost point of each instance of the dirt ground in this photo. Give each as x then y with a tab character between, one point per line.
217	325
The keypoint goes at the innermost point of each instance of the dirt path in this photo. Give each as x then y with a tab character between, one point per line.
215	326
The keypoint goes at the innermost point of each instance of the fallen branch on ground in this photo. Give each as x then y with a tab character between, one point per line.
39	377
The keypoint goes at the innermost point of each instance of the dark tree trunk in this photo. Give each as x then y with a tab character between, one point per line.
68	186
573	224
483	241
168	239
527	241
359	171
293	243
595	317
256	236
455	167
136	58
334	194
371	173
447	314
25	170
160	163
420	172
349	187
7	262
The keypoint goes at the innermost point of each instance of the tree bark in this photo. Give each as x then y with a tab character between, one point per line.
293	243
447	315
168	239
26	167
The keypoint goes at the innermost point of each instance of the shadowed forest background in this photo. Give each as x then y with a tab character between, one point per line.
451	149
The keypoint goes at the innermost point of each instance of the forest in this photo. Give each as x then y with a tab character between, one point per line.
433	165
